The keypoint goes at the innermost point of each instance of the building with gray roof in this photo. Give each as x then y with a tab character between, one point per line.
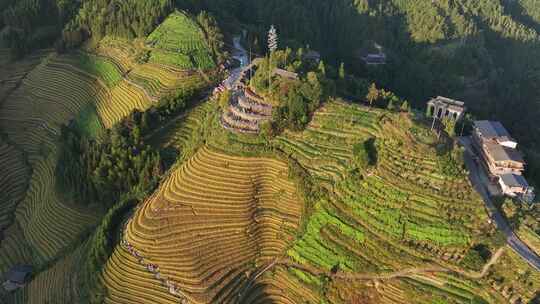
504	163
443	107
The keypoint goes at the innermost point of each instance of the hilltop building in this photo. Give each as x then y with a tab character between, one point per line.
500	157
374	59
17	277
313	56
285	74
443	107
372	54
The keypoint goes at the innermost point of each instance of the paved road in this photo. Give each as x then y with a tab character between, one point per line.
513	241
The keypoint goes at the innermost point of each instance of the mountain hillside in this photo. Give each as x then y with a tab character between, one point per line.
160	152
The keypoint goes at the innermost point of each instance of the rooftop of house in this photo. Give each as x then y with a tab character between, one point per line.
18	274
285	73
374	58
447	101
492	129
311	54
513	180
502	153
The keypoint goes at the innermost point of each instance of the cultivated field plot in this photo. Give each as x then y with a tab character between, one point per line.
214	220
121	100
58	284
14	71
179	41
48	221
325	147
404	206
14	178
159	81
51	95
98	66
45	223
180	135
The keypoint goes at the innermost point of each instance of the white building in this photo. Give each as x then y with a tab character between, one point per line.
443	107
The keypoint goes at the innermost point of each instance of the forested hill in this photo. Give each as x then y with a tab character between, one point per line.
482	51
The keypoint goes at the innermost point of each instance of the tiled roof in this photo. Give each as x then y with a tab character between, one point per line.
491	129
513	180
447	101
501	153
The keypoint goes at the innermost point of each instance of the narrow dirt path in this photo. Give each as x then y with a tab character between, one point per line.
396	274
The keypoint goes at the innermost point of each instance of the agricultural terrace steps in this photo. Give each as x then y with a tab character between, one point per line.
22	78
214	233
407	272
125	77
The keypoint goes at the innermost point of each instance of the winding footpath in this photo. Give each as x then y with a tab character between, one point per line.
407	272
511	238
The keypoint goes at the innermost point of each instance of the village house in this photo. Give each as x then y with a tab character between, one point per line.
17	277
513	185
498	148
372	53
313	56
285	74
443	107
503	162
374	59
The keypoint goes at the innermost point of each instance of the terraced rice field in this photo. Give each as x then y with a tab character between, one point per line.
48	221
13	72
209	224
160	81
182	133
45	222
50	95
325	147
101	67
14	249
121	100
180	42
130	282
14	178
58	284
403	207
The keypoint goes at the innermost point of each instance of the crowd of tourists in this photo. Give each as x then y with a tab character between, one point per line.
173	288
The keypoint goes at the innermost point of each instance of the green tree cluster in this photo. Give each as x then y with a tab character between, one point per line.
213	35
30	24
100	172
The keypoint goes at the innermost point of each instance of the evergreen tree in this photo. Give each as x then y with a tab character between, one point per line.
322	68
373	94
342	71
404	106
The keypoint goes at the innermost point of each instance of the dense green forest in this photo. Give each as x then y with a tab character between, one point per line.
480	51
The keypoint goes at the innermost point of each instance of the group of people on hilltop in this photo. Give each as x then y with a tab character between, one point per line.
150	267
